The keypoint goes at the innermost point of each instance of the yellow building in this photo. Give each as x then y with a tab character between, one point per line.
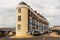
27	19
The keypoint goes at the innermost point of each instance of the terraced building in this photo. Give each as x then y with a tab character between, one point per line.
28	20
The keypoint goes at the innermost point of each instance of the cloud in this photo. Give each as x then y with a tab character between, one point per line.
57	7
48	8
8	15
8	3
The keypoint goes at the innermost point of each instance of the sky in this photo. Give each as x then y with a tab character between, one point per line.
50	9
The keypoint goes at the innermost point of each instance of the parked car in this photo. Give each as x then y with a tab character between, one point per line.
36	33
58	32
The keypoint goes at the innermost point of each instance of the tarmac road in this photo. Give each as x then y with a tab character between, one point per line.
33	38
41	37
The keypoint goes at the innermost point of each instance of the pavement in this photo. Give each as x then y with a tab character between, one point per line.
54	34
21	36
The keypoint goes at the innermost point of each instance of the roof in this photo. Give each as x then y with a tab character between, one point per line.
22	3
56	26
7	29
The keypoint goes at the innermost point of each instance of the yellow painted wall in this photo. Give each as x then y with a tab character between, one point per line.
24	22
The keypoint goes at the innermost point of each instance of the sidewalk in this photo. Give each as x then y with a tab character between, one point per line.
54	34
21	36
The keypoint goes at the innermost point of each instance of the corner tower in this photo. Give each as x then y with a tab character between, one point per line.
22	19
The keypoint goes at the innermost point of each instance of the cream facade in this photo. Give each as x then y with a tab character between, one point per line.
23	21
27	19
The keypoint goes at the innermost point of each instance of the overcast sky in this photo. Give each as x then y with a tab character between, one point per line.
50	9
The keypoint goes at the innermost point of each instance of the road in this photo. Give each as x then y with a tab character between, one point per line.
41	37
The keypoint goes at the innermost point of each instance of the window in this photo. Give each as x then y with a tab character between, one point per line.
30	13
19	10
19	18
19	26
33	27
30	23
